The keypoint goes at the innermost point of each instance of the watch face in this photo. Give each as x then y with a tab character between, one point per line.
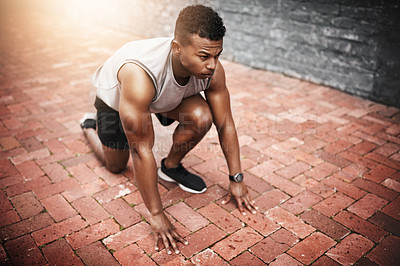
238	177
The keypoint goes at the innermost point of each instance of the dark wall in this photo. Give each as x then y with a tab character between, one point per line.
351	45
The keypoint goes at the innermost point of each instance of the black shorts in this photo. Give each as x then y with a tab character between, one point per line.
109	126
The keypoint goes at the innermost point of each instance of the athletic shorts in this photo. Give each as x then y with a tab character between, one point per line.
109	126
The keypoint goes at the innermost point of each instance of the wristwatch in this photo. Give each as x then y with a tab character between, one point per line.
238	177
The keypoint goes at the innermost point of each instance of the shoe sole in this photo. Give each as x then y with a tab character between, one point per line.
169	179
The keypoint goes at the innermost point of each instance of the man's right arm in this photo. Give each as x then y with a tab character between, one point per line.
137	92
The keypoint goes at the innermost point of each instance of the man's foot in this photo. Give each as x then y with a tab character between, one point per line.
88	121
186	181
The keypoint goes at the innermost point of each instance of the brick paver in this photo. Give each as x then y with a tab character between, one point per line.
322	166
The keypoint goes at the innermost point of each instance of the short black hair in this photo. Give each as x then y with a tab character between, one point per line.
200	20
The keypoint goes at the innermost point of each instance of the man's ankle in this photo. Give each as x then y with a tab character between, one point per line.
170	165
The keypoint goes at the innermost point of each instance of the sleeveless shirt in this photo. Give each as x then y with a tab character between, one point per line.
155	57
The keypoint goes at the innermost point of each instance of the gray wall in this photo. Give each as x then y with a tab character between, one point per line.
351	45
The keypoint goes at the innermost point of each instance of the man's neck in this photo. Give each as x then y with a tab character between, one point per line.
180	74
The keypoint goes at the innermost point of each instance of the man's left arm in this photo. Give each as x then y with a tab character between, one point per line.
219	101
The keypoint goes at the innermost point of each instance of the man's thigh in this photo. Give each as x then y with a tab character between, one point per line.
190	108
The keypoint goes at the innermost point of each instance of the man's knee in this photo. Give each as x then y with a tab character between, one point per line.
115	168
201	119
116	161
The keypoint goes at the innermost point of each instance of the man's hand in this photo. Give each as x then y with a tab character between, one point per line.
240	193
163	230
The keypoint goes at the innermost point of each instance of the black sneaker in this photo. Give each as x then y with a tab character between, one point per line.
88	121
186	181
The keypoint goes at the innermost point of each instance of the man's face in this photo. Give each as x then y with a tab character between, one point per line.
200	56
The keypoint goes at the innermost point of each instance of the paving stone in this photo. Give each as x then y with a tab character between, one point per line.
268	249
212	194
386	222
376	189
379	173
60	253
132	255
311	247
290	222
283	184
393	208
201	239
27	205
367	206
92	233
114	192
55	188
257	184
270	199
350	249
82	173
325	261
23	251
90	210
322	171
55	172
127	236
5	204
293	170
363	148
162	258
387	252
29	170
258	222
236	243
221	218
122	212
332	158
360	226
29	225
265	168
58	230
392	184
285	259
325	224
333	204
338	146
187	216
9	217
58	207
96	253
301	202
344	187
283	236
247	259
383	160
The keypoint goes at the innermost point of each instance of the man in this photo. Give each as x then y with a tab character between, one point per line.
164	76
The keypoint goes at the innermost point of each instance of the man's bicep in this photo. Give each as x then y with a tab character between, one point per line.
137	91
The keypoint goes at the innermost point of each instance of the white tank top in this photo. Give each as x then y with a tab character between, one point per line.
155	57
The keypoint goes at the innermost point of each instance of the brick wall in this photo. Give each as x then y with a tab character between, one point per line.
349	45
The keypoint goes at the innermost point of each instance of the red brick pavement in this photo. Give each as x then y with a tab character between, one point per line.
323	166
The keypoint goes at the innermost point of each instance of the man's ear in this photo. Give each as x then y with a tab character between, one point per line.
176	47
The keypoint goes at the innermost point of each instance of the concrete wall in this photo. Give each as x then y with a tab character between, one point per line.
351	45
